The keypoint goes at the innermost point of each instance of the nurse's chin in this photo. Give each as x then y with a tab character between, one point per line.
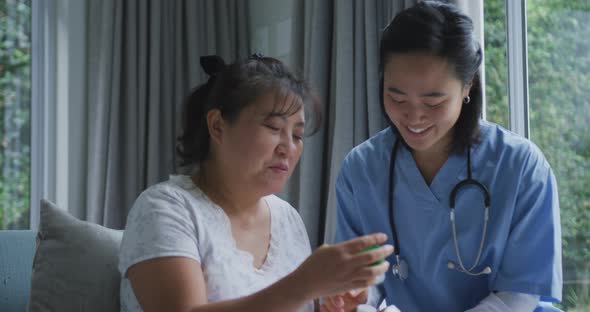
421	147
418	144
424	140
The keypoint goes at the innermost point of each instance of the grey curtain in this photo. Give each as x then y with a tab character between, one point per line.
143	58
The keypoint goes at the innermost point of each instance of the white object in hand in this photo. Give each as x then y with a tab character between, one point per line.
368	308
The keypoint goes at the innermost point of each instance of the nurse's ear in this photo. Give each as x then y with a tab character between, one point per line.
215	125
466	90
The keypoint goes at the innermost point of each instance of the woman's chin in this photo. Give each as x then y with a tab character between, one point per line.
274	186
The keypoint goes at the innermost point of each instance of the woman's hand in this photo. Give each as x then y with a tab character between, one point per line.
346	302
334	269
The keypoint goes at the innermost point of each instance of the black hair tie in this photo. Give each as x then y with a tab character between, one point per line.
256	56
212	64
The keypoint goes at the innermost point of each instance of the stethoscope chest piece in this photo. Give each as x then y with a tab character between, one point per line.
400	269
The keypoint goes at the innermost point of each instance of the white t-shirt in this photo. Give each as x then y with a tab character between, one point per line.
175	218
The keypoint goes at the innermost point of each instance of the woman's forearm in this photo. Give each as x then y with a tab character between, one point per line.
285	295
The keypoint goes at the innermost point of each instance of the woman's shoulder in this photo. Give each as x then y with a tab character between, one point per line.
178	193
177	186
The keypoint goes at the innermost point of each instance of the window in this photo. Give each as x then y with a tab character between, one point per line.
559	100
15	99
496	70
558	112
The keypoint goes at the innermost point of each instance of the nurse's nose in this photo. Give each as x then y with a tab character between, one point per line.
414	114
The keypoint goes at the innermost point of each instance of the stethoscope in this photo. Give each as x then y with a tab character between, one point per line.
400	266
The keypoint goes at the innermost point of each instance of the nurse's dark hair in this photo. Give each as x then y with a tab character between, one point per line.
440	29
233	87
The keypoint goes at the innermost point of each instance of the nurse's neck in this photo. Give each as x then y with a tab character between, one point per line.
430	161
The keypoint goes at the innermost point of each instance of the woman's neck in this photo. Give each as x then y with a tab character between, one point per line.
233	197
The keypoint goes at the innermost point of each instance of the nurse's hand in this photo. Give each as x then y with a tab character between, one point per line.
346	302
334	269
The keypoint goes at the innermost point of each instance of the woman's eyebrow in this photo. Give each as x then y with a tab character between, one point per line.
271	115
284	118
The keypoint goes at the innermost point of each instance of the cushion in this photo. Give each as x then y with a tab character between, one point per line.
75	265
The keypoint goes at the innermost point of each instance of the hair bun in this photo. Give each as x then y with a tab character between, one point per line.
212	64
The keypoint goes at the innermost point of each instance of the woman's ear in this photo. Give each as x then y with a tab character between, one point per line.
215	125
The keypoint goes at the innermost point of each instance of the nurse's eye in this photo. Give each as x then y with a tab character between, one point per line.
433	105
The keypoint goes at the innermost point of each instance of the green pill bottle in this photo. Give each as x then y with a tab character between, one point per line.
381	277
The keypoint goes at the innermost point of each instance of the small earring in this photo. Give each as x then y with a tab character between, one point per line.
466	100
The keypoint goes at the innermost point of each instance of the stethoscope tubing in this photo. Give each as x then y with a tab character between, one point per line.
469	181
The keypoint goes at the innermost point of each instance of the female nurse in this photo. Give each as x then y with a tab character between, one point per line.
428	178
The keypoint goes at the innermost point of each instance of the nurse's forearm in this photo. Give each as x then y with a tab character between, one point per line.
506	301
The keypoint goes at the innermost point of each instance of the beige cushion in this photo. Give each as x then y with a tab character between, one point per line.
75	265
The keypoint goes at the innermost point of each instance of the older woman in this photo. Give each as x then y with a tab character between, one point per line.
216	239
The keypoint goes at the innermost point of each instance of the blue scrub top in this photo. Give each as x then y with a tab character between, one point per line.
523	241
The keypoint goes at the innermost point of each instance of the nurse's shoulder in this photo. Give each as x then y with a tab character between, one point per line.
366	161
507	148
372	151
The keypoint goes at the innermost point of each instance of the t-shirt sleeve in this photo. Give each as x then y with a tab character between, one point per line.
158	225
532	257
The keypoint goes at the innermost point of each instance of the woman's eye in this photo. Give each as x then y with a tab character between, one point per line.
298	137
273	128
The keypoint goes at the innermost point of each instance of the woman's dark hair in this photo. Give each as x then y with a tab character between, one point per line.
441	30
233	87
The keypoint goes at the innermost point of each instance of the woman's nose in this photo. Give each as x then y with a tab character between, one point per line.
287	145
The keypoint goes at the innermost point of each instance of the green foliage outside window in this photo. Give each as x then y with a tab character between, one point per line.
559	93
15	124
496	72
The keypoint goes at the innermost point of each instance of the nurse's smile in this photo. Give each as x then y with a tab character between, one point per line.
415	133
418	130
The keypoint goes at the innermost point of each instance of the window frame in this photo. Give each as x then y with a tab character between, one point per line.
517	61
43	100
37	112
